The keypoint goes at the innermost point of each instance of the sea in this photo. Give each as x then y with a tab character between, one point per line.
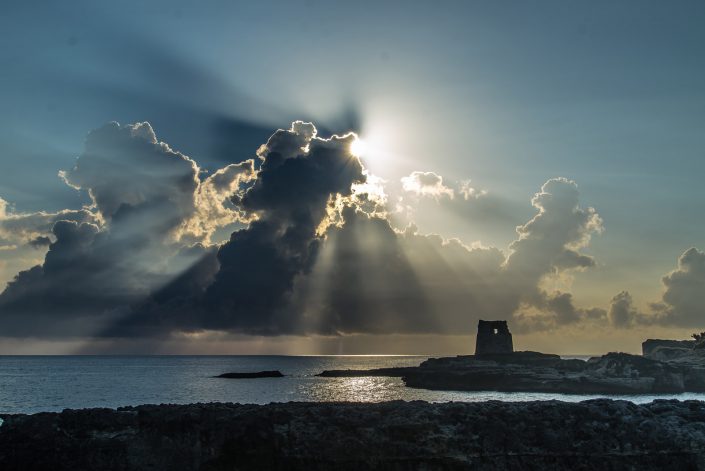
30	384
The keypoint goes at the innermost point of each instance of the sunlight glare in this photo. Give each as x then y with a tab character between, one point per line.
358	148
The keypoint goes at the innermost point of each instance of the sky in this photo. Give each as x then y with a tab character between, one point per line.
181	177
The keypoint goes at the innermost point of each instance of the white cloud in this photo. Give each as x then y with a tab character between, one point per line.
426	184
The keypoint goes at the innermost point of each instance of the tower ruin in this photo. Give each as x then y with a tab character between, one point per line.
493	337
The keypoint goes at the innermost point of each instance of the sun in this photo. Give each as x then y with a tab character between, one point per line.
358	148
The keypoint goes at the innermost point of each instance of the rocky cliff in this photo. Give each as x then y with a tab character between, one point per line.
600	434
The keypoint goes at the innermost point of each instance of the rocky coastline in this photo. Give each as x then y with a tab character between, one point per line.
613	373
597	434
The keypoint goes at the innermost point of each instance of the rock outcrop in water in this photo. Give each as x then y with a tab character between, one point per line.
256	374
394	372
600	434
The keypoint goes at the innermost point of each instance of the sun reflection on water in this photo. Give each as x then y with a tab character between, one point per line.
365	389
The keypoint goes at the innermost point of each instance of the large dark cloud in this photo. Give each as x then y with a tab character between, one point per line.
317	251
25	236
299	178
78	277
76	271
128	243
299	175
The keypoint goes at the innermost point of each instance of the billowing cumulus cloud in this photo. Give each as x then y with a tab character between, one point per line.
551	240
549	244
683	301
127	172
126	244
622	312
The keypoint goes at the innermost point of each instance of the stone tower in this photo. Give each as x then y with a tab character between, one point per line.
493	337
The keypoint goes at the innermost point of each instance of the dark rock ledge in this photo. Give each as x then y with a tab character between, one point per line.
255	374
394	372
598	434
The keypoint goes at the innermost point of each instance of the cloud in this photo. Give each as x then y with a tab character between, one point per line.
551	240
127	244
316	252
25	236
214	206
125	169
371	278
622	314
19	228
299	178
299	175
434	204
426	184
683	301
681	304
549	245
40	241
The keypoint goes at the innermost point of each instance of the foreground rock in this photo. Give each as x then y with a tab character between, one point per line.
256	374
600	434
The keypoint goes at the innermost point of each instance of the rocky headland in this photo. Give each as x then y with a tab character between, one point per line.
598	434
613	373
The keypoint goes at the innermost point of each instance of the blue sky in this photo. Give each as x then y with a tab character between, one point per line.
505	94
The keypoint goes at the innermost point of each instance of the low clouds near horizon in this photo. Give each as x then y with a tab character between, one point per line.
317	245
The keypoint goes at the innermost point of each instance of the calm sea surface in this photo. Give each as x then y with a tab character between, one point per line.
51	383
